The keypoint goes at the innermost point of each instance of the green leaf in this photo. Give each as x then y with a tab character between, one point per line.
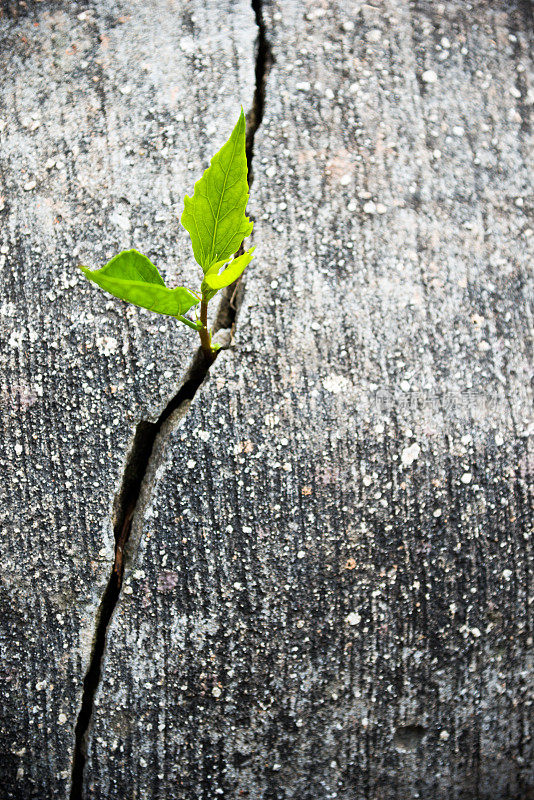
133	266
215	216
214	280
133	277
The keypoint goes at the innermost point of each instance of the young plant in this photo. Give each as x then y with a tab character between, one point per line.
215	220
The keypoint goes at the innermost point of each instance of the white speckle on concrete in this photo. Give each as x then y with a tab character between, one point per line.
106	345
507	574
29	185
466	478
429	76
188	44
15	339
353	618
336	384
410	454
345	179
216	691
120	220
303	86
374	35
62	718
369	207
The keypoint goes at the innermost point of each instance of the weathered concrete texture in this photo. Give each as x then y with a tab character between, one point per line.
331	596
109	112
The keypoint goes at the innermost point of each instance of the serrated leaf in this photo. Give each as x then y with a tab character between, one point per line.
215	280
133	277
215	216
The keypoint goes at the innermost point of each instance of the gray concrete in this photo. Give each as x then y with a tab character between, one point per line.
329	578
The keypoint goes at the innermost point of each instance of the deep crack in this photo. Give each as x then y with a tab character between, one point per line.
138	459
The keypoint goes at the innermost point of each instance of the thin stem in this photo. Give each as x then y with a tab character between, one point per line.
203	332
187	322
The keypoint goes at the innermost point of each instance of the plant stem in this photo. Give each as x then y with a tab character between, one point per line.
203	332
187	322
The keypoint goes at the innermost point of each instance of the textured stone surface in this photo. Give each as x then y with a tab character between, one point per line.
108	113
330	596
330	588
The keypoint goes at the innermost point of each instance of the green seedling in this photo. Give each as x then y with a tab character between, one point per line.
216	222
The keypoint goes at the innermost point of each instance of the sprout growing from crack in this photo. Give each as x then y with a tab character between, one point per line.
216	222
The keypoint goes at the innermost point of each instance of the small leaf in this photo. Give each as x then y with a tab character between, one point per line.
215	216
216	281
131	276
133	266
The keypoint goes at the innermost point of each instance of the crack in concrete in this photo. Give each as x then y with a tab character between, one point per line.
137	465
